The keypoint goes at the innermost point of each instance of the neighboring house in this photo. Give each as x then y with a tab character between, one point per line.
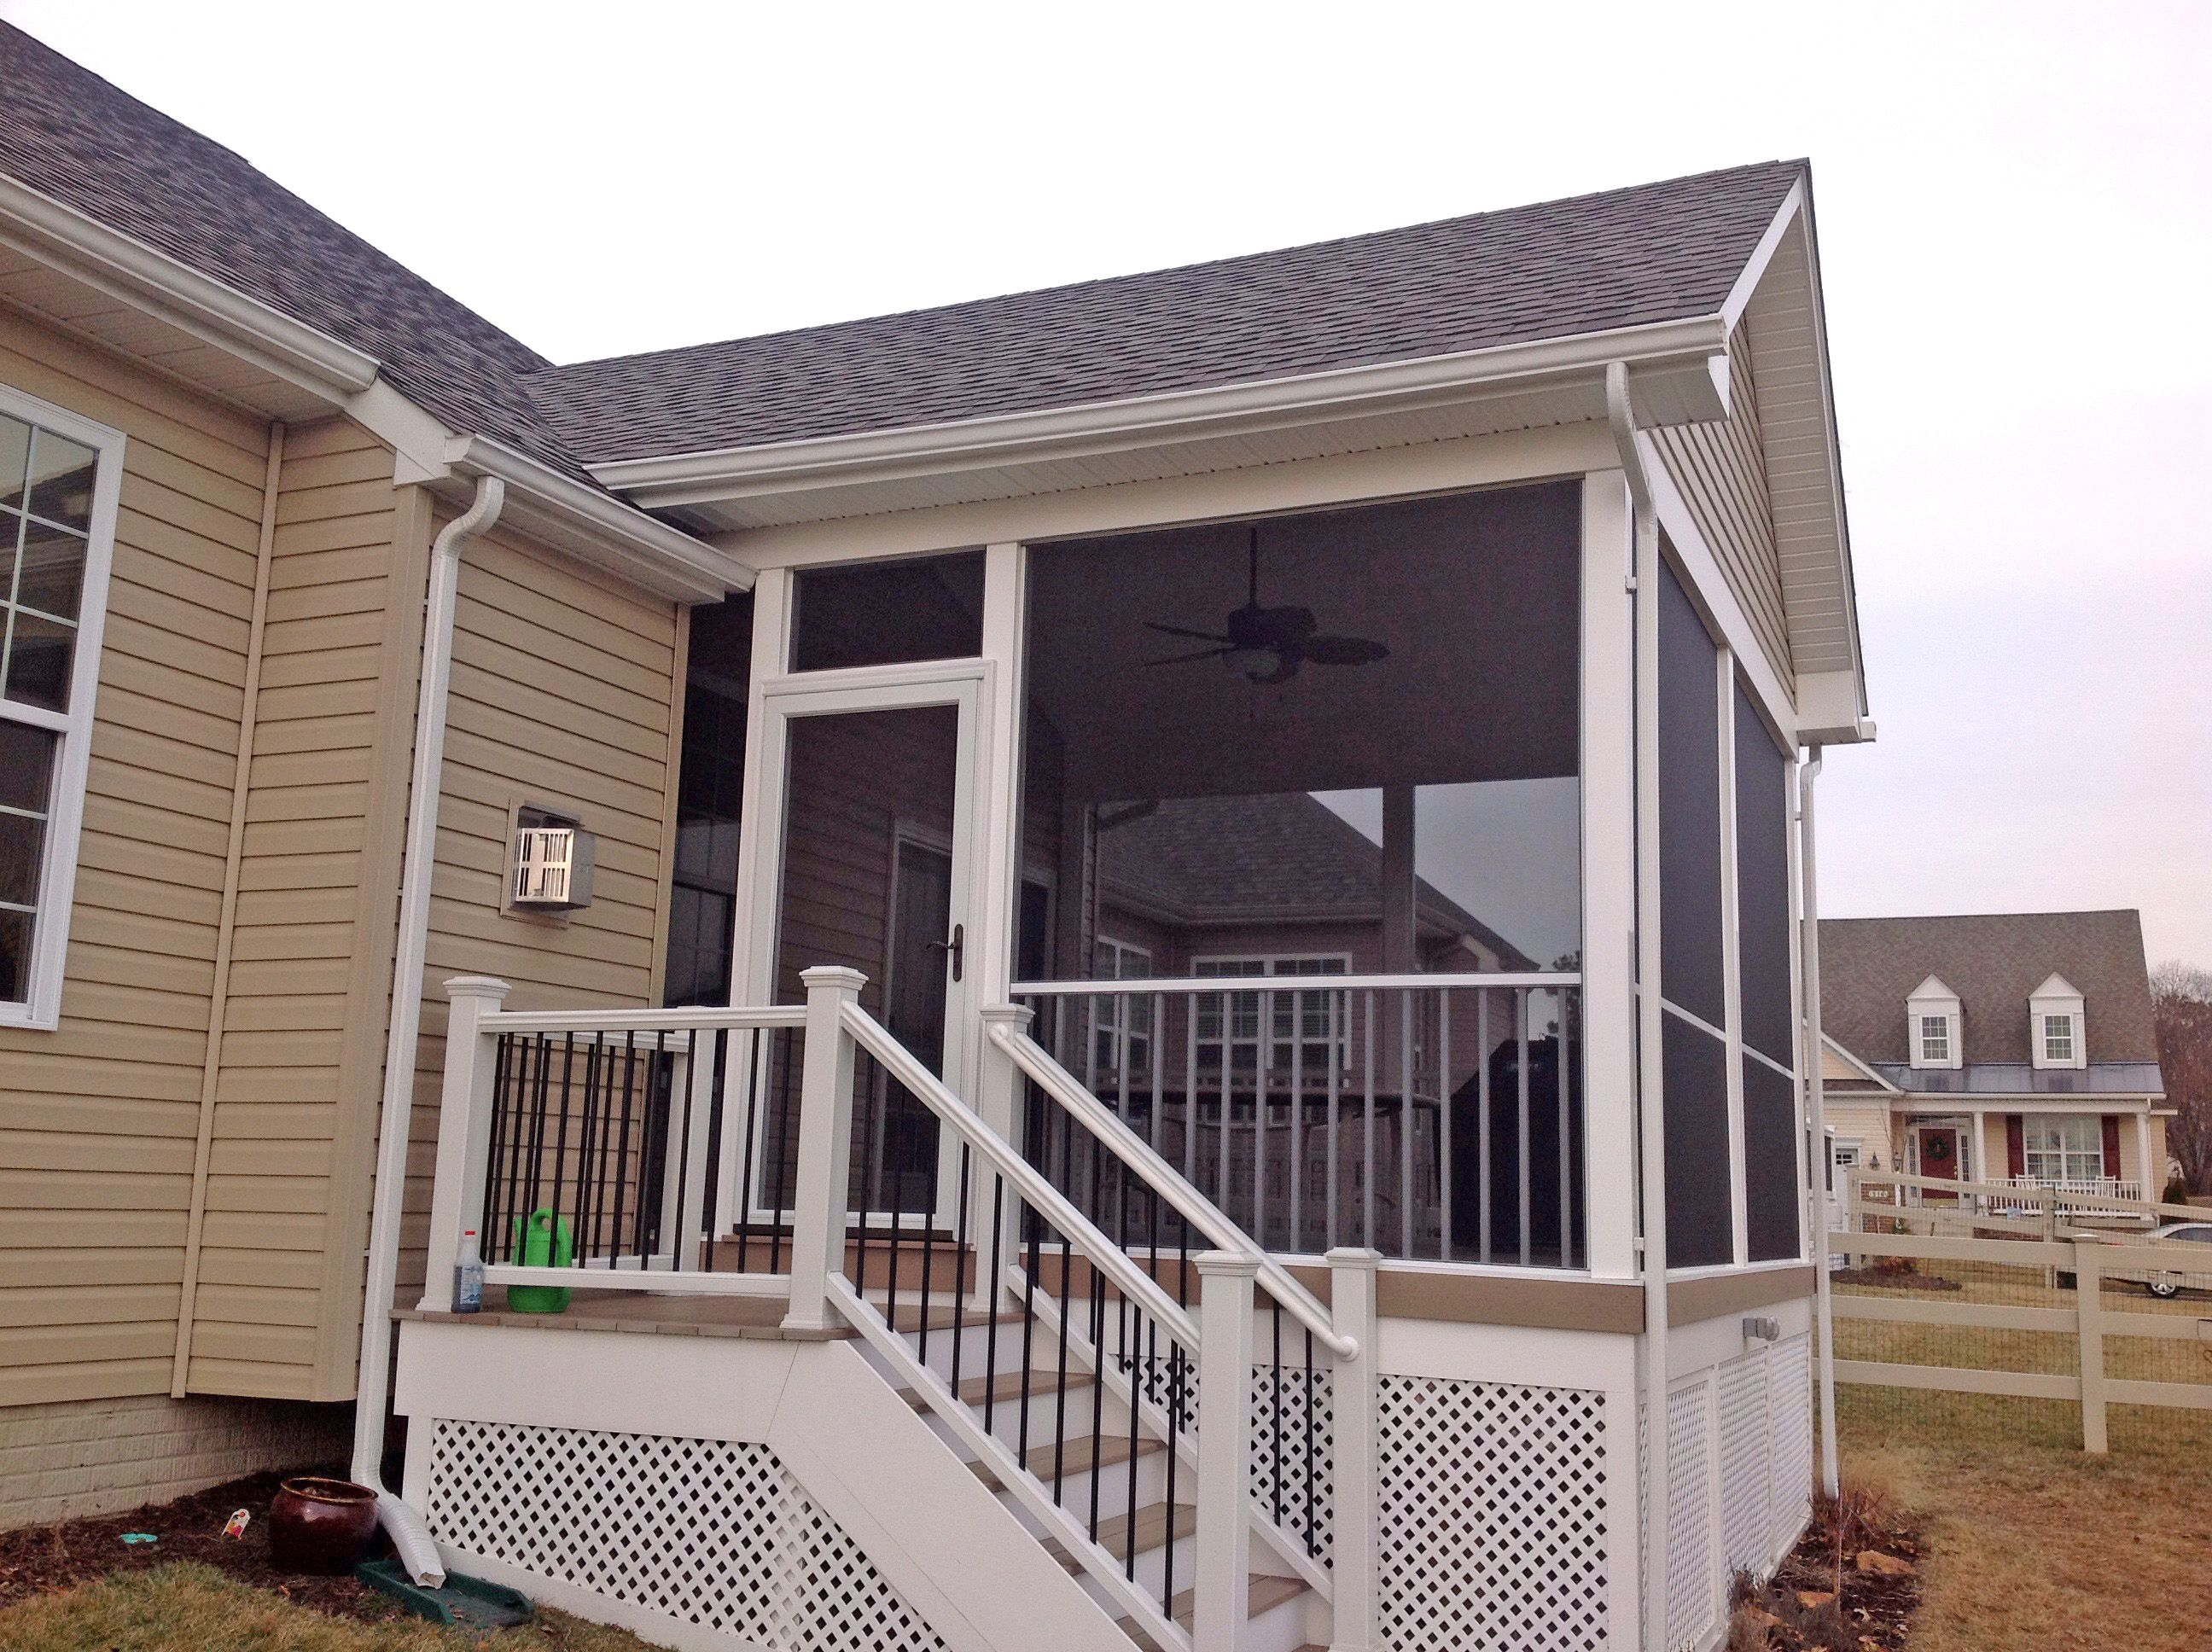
2005	1046
631	809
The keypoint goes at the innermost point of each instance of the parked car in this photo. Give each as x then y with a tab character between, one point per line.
2163	1283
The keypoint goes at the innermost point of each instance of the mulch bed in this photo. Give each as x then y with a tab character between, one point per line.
37	1558
1799	1609
1894	1279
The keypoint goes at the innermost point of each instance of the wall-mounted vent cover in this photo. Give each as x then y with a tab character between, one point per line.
552	864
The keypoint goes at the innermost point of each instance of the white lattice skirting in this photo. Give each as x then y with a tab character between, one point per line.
1493	1511
708	1532
1738	1480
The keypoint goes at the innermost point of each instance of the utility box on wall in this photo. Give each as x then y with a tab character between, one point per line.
552	860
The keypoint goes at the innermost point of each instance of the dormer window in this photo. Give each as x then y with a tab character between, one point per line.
2058	1029
1932	1025
1934	1041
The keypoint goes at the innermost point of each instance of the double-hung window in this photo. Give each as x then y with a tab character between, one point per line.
1120	1025
1310	1026
57	488
1934	1040
2063	1146
2057	1038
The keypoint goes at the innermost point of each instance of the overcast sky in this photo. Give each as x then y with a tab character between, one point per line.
2015	205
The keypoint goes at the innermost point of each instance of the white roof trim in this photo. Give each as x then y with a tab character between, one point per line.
1699	344
1859	1066
127	269
1755	271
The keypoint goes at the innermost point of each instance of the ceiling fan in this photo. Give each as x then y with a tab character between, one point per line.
1267	645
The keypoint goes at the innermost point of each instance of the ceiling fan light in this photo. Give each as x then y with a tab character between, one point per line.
1254	665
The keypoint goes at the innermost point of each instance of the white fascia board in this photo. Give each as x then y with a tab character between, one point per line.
1686	348
1831	709
600	527
1754	271
1865	1072
127	269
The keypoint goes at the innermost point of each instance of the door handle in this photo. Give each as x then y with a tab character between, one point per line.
953	947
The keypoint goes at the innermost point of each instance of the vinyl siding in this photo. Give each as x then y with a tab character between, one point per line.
1721	470
564	688
98	1118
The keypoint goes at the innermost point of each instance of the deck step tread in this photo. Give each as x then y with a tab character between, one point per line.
1007	1385
1153	1526
1266	1594
906	1318
1078	1457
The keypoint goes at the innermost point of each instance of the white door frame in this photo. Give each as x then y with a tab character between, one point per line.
968	686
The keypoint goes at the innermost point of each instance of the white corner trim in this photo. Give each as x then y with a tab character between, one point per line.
571	513
128	269
1176	416
41	1010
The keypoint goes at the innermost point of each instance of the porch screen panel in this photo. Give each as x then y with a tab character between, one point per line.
1689	808
1770	1160
702	896
1700	1228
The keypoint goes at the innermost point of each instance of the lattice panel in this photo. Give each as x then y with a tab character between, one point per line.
1692	1583
708	1532
1282	1447
1492	1510
1746	1464
1790	1411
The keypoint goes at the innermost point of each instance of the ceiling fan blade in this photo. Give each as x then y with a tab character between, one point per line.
1202	654
1184	631
1343	650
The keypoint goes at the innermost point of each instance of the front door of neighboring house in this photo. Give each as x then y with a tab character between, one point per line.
1939	1154
869	783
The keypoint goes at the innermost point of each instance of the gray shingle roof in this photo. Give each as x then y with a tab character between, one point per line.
71	136
1870	966
1659	252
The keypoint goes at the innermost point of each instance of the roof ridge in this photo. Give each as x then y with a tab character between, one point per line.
1094	283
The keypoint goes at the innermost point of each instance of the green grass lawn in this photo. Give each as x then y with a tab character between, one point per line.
191	1608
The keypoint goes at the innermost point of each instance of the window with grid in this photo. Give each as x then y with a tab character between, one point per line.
2063	1146
1935	1039
54	515
1122	1028
2058	1038
1310	1023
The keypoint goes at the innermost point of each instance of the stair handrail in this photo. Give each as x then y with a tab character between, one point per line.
1139	1156
1135	1283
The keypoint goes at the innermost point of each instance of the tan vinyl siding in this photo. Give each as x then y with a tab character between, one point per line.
1720	470
98	1117
564	695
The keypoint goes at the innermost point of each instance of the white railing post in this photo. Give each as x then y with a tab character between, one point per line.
998	1104
1222	1583
1355	1541
825	1146
465	1110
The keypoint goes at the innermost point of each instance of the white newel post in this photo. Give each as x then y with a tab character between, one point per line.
825	1146
1354	1539
465	1110
1222	1586
998	1103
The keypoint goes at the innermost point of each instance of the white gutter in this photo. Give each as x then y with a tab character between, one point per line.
128	269
1650	1095
409	1534
1816	1120
1696	349
650	552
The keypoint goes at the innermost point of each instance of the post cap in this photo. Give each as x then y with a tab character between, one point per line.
1226	1264
1009	1013
832	975
1360	1256
490	987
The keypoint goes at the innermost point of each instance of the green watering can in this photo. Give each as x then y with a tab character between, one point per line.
541	1240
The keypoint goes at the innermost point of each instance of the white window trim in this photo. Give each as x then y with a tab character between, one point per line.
41	1010
2092	1126
2057	998
1931	998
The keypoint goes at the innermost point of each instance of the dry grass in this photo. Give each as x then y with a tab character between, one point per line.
2033	1545
172	1608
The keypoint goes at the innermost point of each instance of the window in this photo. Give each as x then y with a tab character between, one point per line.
2063	1146
57	481
1934	1041
1310	1025
2058	1038
1122	1028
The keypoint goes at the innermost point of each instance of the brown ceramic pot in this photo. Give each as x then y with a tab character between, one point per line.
321	1526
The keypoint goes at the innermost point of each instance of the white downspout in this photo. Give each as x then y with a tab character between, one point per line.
1816	1123
409	1534
1651	1117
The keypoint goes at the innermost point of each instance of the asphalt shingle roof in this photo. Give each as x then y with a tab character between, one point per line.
1870	967
1659	252
70	135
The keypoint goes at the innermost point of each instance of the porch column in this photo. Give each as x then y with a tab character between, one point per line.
1398	915
2154	1175
819	1215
